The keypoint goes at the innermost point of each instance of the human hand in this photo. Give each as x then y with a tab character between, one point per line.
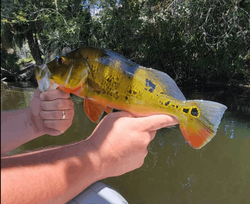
46	113
121	140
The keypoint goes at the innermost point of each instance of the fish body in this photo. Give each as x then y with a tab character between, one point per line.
108	80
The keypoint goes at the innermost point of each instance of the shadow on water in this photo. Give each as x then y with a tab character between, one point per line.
173	172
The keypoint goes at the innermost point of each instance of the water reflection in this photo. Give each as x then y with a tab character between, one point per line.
174	172
13	98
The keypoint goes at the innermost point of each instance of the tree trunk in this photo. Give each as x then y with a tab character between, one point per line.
34	47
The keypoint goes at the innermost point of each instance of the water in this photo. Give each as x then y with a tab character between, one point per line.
173	172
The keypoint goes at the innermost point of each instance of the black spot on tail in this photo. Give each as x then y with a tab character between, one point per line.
185	110
194	112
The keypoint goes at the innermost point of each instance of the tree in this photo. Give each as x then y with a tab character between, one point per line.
22	19
191	40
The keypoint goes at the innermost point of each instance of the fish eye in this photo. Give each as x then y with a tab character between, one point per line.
60	60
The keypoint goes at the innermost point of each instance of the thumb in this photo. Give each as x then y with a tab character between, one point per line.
37	93
156	122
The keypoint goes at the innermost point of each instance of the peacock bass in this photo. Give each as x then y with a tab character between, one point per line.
107	80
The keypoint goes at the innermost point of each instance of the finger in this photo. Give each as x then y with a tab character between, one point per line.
156	122
152	135
122	114
60	125
37	93
54	94
57	115
148	137
58	104
54	132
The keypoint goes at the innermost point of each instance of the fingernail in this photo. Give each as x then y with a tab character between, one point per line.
42	97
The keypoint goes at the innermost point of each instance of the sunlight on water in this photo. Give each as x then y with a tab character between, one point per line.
174	172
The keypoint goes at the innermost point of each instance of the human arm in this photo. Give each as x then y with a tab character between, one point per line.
42	117
117	145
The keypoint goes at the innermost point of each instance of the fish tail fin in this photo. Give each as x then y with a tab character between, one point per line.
203	120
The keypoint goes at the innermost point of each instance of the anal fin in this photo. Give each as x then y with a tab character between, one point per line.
93	110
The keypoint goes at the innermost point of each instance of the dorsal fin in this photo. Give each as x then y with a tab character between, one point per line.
168	84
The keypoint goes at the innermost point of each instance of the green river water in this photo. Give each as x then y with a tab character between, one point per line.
173	172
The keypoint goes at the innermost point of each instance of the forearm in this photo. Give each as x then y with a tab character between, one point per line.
16	129
49	176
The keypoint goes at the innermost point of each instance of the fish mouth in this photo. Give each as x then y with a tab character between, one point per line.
43	76
40	71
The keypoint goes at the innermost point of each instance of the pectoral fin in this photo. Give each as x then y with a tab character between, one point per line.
93	110
108	109
94	85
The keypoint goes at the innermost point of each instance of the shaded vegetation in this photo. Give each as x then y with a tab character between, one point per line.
191	40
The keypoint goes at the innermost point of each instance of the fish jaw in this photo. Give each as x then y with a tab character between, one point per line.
43	77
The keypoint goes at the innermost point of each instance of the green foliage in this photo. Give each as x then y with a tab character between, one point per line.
22	62
192	40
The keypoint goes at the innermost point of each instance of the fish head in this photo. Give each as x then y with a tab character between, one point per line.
65	71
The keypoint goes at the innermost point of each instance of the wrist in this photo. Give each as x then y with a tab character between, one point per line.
94	159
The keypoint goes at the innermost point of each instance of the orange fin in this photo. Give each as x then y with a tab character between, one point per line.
196	137
108	109
70	90
202	124
93	110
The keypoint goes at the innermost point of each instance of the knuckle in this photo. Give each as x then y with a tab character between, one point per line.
71	103
140	164
47	96
146	141
145	152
